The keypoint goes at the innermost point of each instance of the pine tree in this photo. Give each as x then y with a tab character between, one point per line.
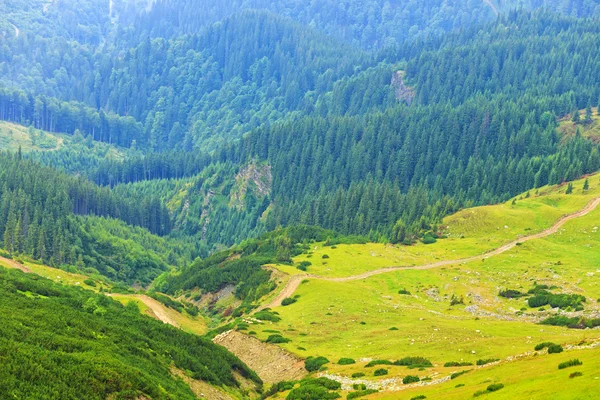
576	117
569	188
588	114
586	184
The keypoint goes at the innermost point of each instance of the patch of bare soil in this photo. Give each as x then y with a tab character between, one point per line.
270	362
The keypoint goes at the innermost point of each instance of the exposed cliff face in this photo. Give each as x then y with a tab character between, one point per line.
403	92
255	178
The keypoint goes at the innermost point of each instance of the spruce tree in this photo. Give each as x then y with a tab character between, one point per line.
588	114
586	184
569	188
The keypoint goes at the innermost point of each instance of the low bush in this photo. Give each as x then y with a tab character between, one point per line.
358	374
457	364
492	388
414	362
575	374
570	363
380	372
287	301
266	315
324	382
275	339
393	328
457	374
346	361
556	300
311	391
404	291
487	361
90	282
573	323
373	363
455	300
543	345
555	349
303	266
360	393
511	294
419	397
325	256
359	386
314	363
410	379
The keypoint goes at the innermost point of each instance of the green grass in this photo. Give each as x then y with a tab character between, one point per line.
327	322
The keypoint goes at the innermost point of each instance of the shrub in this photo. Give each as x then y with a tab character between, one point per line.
455	300
492	388
359	386
303	266
511	294
373	363
266	315
346	361
90	282
457	364
324	382
358	374
556	300
487	361
413	362
361	393
404	291
419	397
575	374
570	363
573	323
314	363
555	349
459	385
380	372
543	345
287	301
393	328
410	379
457	374
312	392
275	339
325	256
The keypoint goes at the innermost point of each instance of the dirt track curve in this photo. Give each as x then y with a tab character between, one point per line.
14	264
296	280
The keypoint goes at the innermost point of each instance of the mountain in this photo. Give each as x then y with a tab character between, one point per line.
352	197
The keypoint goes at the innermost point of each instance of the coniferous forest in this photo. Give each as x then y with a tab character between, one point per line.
242	128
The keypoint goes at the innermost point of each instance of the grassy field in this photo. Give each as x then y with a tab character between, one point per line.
13	137
470	232
368	319
589	130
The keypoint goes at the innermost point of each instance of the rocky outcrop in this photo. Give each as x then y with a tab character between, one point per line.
403	92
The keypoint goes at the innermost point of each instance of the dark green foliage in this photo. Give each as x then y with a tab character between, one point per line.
303	266
574	322
455	300
511	294
360	393
486	361
373	363
419	397
346	361
278	387
491	388
87	345
555	348
543	345
404	291
380	372
314	363
457	374
457	364
90	282
167	301
575	374
570	363
555	300
410	379
312	392
414	362
358	374
393	328
266	315
287	301
276	339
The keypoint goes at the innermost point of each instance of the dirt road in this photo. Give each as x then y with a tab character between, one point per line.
155	306
296	280
13	264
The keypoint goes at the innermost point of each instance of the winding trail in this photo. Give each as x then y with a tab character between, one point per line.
296	280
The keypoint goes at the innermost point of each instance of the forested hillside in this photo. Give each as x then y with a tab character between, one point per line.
59	342
234	119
